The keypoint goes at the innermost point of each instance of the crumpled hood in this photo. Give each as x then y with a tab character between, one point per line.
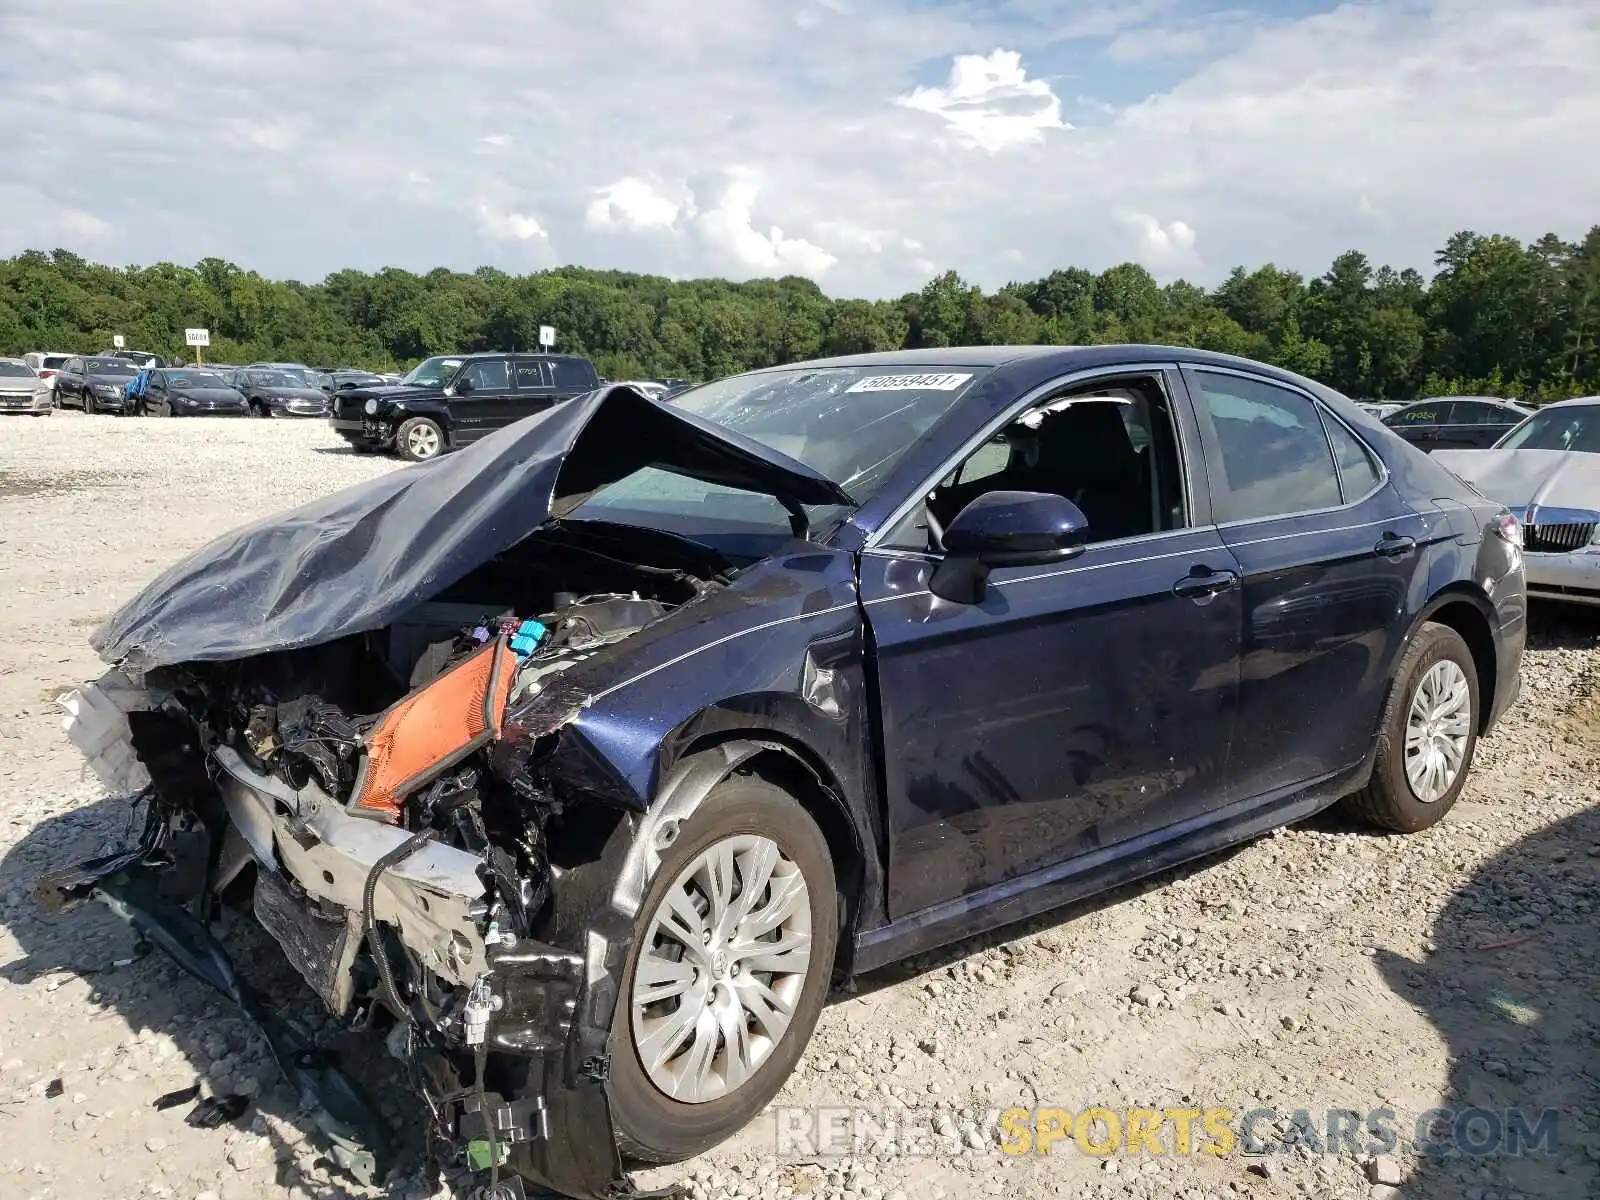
360	558
1523	478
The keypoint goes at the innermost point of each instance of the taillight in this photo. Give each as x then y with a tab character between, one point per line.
46	372
1509	528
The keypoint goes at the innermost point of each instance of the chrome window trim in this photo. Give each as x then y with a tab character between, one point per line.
919	494
1383	467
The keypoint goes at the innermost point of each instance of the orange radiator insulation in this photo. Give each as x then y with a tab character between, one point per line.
434	728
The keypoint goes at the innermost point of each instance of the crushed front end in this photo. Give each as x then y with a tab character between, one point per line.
366	803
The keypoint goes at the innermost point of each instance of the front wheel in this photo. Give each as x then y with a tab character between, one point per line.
419	439
731	961
88	404
1428	735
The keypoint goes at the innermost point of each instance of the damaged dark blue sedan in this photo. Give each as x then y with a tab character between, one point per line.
588	757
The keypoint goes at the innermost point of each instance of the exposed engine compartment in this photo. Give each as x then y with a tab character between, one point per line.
348	797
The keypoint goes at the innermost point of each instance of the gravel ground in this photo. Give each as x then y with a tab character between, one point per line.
1320	968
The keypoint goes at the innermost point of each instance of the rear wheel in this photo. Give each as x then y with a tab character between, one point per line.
1428	735
419	439
731	960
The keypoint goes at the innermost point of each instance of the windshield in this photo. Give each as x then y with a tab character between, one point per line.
110	366
850	424
197	379
277	379
11	370
431	372
1558	429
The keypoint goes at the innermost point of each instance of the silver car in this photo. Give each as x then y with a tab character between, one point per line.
20	389
1547	471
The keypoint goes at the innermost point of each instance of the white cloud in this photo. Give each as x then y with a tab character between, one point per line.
989	102
728	227
631	204
505	225
1157	243
84	225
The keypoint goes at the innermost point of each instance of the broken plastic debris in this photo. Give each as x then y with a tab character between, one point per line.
174	1099
54	1088
217	1111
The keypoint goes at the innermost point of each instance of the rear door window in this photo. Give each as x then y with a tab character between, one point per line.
1276	460
533	375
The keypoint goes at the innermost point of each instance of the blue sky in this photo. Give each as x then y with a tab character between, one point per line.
864	143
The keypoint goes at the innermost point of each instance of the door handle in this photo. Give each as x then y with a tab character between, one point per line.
1394	545
1202	583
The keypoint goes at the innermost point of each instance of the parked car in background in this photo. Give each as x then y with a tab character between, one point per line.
1547	471
279	393
45	360
95	384
1456	422
841	661
453	400
21	390
346	378
652	388
191	392
139	358
1379	408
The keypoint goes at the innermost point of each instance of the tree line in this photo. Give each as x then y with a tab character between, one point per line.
1498	317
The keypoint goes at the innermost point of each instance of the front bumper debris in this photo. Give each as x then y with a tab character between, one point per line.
127	882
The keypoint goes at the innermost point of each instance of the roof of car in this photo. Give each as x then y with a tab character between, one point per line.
1045	360
1570	402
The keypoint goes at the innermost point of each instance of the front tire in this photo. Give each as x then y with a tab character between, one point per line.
418	439
88	404
1427	738
730	965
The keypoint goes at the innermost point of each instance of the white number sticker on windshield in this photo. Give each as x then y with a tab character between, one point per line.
909	383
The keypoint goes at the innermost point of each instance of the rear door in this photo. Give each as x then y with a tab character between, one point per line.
535	386
1329	552
1476	425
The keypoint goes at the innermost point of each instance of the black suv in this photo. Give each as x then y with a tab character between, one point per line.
1456	422
452	399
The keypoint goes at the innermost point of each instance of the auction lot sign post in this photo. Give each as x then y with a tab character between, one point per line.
199	339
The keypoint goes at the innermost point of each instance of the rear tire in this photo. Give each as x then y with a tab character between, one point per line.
1401	795
743	819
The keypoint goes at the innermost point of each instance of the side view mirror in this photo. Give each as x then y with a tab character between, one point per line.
460	387
1006	529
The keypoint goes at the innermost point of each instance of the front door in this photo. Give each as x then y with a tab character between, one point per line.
1329	552
1076	705
483	406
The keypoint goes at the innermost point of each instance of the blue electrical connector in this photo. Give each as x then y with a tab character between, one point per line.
527	638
